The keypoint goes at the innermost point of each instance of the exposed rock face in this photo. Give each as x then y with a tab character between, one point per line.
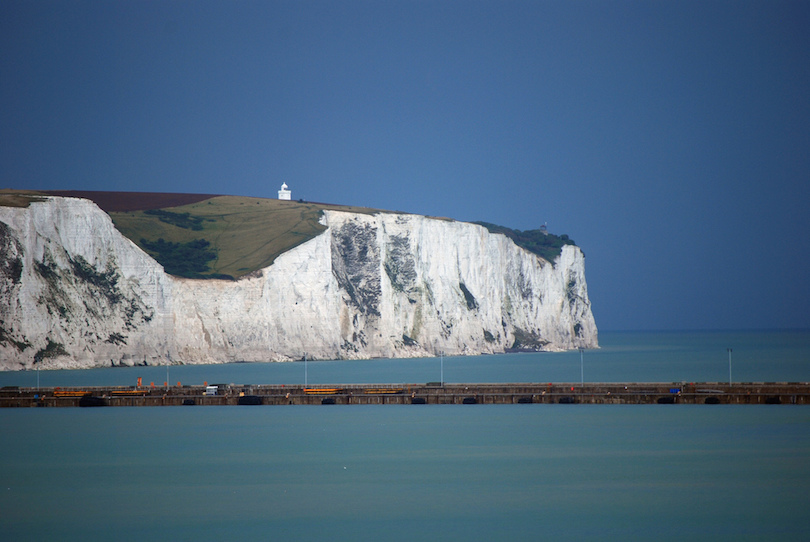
76	293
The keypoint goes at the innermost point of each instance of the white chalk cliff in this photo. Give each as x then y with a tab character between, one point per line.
75	293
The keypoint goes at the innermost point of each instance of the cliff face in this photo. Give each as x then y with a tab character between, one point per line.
76	293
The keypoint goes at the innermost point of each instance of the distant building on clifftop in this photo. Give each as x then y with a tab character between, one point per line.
284	193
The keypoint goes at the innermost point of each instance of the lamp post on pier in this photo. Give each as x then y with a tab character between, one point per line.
581	367
37	361
441	366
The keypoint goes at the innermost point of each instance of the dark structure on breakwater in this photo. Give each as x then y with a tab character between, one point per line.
710	393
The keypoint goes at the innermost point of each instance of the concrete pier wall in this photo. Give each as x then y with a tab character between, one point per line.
758	393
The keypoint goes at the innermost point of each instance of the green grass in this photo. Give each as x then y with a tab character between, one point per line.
243	234
183	259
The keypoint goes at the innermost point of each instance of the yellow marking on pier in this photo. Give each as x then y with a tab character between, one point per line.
322	391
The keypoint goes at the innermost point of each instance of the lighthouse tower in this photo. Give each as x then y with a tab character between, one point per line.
284	193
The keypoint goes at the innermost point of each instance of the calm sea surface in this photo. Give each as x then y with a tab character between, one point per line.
471	472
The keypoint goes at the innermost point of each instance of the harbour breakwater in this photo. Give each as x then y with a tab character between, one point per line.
435	393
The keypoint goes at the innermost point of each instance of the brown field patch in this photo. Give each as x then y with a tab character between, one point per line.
124	202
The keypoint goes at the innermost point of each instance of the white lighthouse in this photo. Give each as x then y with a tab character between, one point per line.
284	193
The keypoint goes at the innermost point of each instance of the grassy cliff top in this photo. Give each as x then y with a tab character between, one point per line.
223	236
18	198
227	237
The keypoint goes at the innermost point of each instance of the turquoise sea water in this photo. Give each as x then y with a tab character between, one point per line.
450	472
406	472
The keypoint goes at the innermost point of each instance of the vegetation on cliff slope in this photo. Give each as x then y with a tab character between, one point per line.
540	242
188	260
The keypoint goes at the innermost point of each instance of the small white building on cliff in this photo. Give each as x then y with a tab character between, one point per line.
284	193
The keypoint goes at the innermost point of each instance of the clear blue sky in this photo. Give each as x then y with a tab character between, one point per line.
669	139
